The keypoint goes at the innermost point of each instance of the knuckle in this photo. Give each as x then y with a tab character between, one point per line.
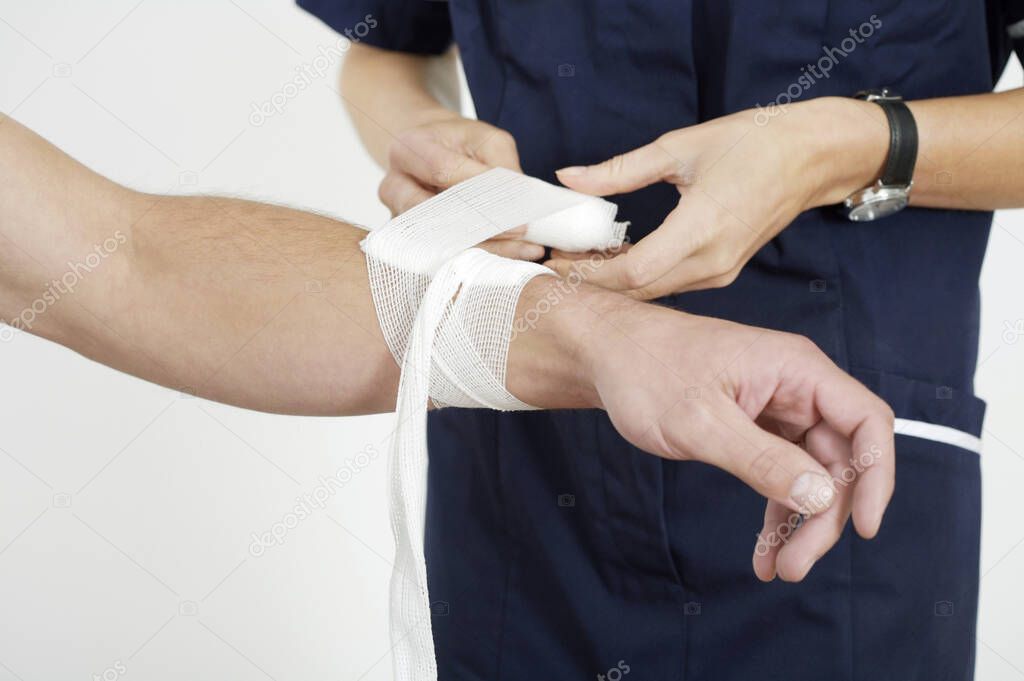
668	139
766	469
700	422
721	262
505	139
616	164
723	280
802	344
396	152
637	273
386	190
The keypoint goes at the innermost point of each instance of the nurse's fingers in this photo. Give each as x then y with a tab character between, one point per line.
432	164
448	154
648	269
721	434
513	248
399	192
557	254
868	423
818	534
514	233
623	173
496	149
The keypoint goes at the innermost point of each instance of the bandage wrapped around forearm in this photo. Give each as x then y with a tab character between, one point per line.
446	310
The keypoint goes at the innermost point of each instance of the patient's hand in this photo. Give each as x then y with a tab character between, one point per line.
766	406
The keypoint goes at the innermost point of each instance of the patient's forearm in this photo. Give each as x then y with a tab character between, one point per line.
256	305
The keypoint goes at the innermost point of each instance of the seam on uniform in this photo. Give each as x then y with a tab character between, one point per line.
513	551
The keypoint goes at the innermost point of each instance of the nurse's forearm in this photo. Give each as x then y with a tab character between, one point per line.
255	305
971	153
386	93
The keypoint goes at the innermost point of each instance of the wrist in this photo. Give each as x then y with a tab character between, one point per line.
846	142
557	342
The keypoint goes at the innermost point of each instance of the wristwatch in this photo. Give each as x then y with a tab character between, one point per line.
891	192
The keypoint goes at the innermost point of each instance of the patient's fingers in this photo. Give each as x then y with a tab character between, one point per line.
720	433
778	527
819	533
867	422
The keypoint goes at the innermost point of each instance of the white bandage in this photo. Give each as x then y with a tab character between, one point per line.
446	310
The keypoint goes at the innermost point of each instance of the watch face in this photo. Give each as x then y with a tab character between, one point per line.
876	203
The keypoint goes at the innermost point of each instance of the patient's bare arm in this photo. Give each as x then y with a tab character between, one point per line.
256	305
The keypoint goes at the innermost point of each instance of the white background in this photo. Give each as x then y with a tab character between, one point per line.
126	510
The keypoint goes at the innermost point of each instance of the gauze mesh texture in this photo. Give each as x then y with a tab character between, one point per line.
446	310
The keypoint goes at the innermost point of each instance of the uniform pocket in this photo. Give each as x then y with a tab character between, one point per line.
914	588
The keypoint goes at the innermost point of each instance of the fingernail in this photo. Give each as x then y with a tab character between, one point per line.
812	492
572	171
532	252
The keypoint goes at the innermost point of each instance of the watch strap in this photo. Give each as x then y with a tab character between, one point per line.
899	166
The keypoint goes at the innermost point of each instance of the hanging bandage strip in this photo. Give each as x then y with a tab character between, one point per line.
446	310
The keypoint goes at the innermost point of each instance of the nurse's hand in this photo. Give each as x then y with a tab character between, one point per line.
441	151
766	406
741	179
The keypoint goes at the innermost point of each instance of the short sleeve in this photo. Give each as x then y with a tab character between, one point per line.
417	26
1006	32
1015	25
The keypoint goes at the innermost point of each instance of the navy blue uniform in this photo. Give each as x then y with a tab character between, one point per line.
562	551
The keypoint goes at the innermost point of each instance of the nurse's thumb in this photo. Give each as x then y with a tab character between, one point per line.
620	174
